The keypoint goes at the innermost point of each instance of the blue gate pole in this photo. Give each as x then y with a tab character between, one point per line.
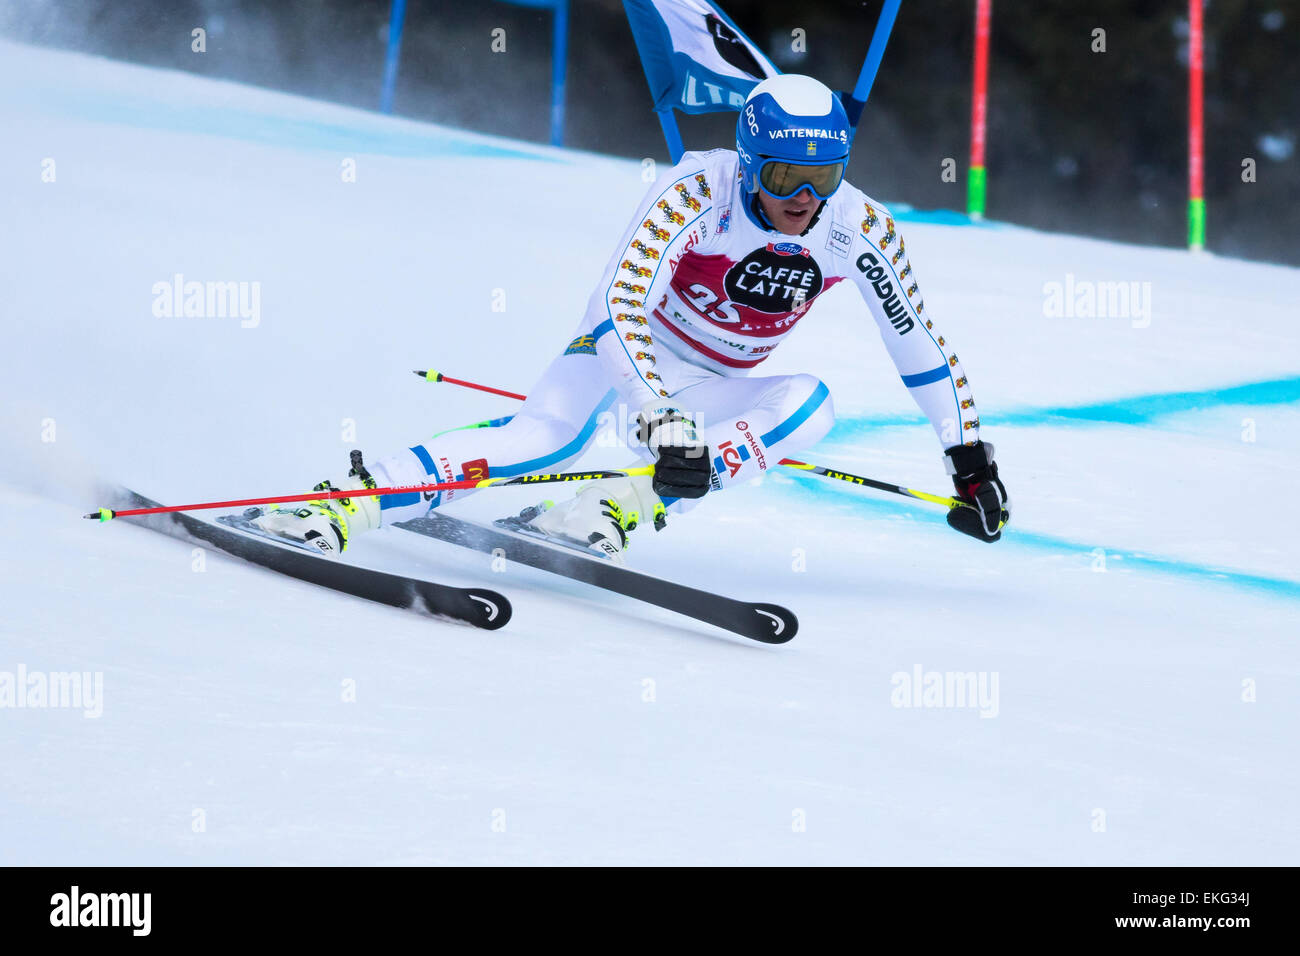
559	61
875	53
672	135
395	19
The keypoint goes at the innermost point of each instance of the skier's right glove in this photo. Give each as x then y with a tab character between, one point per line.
975	476
681	458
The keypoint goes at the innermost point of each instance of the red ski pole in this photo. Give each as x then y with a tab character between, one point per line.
434	376
107	514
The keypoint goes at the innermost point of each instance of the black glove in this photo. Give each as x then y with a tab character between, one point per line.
975	475
681	459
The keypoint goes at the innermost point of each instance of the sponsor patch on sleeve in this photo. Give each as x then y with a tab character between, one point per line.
582	345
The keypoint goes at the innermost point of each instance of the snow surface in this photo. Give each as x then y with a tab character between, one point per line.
1145	713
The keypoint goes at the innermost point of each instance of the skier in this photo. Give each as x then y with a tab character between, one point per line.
722	260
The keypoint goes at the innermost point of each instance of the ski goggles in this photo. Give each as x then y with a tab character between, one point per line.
783	180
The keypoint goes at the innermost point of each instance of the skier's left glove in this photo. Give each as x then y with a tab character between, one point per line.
975	475
681	458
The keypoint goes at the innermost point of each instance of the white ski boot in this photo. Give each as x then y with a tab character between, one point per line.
330	524
597	518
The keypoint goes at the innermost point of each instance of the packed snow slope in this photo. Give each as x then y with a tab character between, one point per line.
1134	635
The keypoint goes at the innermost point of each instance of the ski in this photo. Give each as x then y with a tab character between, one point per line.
477	606
768	623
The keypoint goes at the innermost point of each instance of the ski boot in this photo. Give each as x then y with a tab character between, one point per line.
327	525
596	519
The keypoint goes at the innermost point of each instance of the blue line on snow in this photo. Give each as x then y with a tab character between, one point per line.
378	136
938	217
1279	587
1139	410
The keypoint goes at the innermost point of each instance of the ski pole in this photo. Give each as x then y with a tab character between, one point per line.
873	483
435	376
824	472
107	514
490	423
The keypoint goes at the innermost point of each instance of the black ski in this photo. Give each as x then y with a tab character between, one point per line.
769	623
477	606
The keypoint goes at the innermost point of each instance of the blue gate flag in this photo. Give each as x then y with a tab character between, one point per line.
695	58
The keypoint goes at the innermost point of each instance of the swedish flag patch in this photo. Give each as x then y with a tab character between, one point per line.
582	345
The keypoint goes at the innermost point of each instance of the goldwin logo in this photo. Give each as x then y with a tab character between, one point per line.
102	909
